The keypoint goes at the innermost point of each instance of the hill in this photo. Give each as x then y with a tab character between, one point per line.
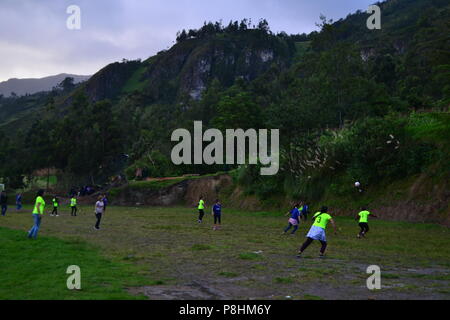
29	85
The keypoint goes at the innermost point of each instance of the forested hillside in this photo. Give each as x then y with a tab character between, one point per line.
351	104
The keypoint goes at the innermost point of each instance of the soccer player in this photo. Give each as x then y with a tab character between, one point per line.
18	201
38	211
363	218
294	220
105	202
73	206
217	213
201	208
4	202
99	209
317	231
55	202
304	209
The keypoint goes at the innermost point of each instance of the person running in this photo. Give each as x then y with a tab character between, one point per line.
294	220
19	201
105	202
73	206
217	213
4	202
201	208
363	218
317	231
55	202
38	211
99	210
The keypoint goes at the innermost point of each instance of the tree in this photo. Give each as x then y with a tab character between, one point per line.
67	84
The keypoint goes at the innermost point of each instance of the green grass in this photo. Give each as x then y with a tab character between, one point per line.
135	81
249	256
200	247
36	269
311	297
143	246
227	274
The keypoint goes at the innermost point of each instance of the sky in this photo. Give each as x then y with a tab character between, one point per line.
35	41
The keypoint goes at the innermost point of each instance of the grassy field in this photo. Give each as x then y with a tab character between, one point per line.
163	253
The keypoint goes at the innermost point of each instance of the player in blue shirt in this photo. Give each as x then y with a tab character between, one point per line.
294	220
217	213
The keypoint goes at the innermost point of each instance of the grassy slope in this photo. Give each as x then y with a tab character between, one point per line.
167	246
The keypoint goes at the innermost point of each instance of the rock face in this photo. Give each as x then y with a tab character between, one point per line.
188	67
186	192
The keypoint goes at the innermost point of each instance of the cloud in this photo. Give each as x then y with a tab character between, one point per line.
35	41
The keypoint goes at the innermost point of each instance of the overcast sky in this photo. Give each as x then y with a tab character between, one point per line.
35	42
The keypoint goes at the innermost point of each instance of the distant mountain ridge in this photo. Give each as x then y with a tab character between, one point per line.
32	85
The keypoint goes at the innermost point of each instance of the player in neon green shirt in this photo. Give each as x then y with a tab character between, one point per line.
201	208
73	206
363	217
317	231
38	211
55	202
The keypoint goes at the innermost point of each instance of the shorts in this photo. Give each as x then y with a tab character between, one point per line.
317	233
364	226
294	222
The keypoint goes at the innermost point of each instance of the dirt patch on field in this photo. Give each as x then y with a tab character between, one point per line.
397	284
186	192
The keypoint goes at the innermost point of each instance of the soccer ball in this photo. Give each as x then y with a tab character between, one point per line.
357	184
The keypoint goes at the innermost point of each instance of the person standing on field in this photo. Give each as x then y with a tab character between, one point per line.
105	202
304	209
201	208
73	206
363	218
317	231
217	213
99	210
18	201
55	202
38	212
4	202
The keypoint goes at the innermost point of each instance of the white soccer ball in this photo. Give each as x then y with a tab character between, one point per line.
357	184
